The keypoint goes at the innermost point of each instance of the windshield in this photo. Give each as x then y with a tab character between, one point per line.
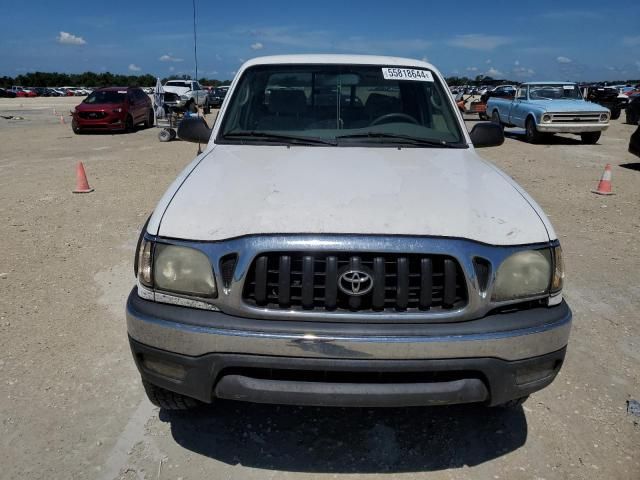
340	104
107	96
554	92
174	83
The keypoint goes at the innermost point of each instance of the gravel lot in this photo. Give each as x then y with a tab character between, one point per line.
71	402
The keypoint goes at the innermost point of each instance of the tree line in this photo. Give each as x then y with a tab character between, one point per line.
93	80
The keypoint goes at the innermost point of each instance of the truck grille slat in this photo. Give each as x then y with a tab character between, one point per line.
310	281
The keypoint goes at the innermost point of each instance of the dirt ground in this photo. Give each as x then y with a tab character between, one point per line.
71	402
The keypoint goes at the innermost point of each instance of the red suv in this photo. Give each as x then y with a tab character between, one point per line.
113	108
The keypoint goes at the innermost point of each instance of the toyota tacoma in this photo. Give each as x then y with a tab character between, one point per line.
339	242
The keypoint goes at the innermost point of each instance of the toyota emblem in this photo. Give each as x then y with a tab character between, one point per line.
355	282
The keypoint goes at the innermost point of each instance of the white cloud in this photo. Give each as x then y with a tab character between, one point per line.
523	72
172	68
472	69
134	68
479	41
66	38
562	59
493	72
257	46
516	63
631	41
488	62
170	58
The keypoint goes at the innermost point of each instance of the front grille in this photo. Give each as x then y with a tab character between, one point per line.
93	115
364	282
578	117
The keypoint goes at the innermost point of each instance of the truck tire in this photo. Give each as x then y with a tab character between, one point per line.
168	400
590	138
615	114
632	119
531	131
495	118
75	127
511	404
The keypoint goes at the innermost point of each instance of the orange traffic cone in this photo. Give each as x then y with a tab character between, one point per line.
62	119
82	185
604	186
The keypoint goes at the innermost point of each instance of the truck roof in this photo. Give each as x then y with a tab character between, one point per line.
550	83
338	59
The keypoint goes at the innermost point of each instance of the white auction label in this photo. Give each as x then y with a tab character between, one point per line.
390	73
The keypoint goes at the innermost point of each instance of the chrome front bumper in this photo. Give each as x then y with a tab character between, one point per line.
571	127
189	331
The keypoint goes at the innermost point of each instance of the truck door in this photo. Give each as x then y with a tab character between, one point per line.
517	112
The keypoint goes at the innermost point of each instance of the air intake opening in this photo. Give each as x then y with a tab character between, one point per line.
227	267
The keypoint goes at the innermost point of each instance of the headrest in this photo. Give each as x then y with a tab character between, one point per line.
287	101
380	103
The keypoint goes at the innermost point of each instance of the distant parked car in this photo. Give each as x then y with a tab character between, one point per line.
216	96
608	97
23	92
113	108
7	93
633	110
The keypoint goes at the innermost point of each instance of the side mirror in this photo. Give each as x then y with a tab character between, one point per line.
194	129
487	134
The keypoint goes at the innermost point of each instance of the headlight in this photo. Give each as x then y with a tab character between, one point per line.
183	270
604	117
558	271
546	118
143	265
523	274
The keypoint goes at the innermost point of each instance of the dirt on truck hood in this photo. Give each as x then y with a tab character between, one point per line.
241	190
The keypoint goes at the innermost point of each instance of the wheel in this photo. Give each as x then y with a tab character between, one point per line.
615	114
590	138
172	133
191	107
168	400
75	127
511	404
532	134
164	135
632	119
495	118
148	123
128	124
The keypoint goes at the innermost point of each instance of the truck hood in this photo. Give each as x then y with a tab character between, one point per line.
569	106
176	90
241	190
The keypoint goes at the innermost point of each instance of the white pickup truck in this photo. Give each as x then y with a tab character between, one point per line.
186	95
340	242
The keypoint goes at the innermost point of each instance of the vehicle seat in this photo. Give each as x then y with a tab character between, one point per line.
286	109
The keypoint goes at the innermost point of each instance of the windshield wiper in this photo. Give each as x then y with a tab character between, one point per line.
280	137
404	139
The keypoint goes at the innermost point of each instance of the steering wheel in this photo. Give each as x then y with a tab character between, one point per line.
400	116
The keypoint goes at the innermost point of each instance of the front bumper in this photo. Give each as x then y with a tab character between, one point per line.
219	355
571	127
113	121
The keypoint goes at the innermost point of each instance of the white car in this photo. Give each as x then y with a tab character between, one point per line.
340	242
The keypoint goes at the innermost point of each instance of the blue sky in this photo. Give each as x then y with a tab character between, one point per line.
540	40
